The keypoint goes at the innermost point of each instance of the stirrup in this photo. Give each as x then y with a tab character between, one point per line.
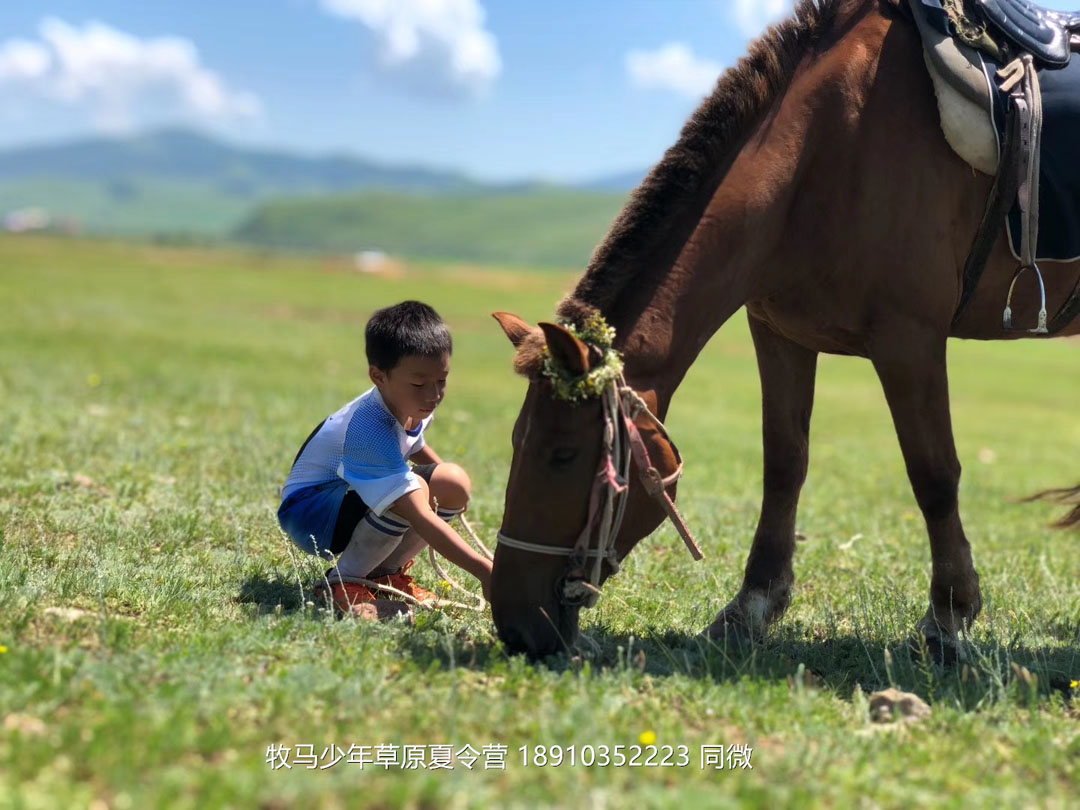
1006	316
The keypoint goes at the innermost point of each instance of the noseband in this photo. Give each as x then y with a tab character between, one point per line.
607	502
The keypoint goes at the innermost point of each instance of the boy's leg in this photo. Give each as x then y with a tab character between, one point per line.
373	539
367	540
449	484
450	489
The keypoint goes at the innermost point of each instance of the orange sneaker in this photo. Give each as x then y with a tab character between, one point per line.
406	584
362	602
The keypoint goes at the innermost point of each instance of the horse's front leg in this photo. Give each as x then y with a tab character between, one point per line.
787	373
910	362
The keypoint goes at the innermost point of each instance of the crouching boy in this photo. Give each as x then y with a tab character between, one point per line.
352	492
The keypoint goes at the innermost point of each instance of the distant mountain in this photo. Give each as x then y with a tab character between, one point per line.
179	183
622	182
184	155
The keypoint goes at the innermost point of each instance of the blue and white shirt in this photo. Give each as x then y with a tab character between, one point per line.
362	447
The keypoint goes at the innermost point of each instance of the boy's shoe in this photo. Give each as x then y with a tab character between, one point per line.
360	601
406	584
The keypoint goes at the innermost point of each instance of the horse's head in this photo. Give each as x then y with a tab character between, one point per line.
576	501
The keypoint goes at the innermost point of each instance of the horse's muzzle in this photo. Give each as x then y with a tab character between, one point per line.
539	632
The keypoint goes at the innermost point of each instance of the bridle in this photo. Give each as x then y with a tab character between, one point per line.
622	442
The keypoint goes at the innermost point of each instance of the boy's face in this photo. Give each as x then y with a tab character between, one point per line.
414	387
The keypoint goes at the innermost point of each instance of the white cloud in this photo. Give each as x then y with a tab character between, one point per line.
115	74
752	16
440	44
21	59
673	67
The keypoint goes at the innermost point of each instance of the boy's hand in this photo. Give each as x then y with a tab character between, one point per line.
485	583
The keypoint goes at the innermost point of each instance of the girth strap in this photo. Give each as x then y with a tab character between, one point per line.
1002	194
1021	80
1017	178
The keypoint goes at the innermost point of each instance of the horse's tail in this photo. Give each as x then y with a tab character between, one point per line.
1066	495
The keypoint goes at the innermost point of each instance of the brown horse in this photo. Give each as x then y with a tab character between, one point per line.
815	188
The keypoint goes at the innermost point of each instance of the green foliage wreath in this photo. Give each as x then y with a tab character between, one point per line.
574	388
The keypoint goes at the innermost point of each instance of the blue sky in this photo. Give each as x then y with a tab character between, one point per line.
501	89
558	102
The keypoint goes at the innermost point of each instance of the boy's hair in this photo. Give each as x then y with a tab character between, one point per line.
408	328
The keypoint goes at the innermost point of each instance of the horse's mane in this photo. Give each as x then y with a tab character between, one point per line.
655	223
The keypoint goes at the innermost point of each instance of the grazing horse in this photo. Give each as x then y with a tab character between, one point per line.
815	188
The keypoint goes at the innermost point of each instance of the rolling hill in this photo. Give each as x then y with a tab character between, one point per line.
541	226
188	156
180	183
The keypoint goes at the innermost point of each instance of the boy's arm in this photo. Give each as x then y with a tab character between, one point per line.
415	508
425	455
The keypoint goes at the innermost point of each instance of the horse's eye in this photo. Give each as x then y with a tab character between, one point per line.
562	457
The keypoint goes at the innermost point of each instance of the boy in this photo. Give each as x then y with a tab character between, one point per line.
351	491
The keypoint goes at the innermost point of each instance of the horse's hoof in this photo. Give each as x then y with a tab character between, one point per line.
730	626
943	652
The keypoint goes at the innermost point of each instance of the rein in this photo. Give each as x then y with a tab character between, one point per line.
622	442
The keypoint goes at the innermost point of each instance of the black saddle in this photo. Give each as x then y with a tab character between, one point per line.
1049	36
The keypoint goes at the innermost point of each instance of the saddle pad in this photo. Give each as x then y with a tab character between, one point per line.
1059	176
960	84
973	109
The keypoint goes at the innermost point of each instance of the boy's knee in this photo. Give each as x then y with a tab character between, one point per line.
460	479
451	485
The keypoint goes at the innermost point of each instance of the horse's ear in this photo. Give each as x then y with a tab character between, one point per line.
568	351
515	328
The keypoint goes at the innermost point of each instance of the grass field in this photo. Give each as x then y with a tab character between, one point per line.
154	637
141	207
547	227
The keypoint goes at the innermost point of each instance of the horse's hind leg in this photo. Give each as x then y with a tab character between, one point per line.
910	362
787	373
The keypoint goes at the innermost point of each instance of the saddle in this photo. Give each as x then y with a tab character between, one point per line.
964	42
1049	36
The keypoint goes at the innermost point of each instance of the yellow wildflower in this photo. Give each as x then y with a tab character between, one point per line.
647	737
1074	684
3	649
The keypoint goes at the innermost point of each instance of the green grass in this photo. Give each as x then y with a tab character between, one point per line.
535	226
152	399
138	207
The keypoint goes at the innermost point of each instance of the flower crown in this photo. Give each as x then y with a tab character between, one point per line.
574	388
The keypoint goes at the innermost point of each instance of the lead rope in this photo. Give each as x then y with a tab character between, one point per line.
480	547
654	484
613	486
610	485
480	603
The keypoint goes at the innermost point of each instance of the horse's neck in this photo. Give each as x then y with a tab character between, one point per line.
722	266
664	338
748	239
